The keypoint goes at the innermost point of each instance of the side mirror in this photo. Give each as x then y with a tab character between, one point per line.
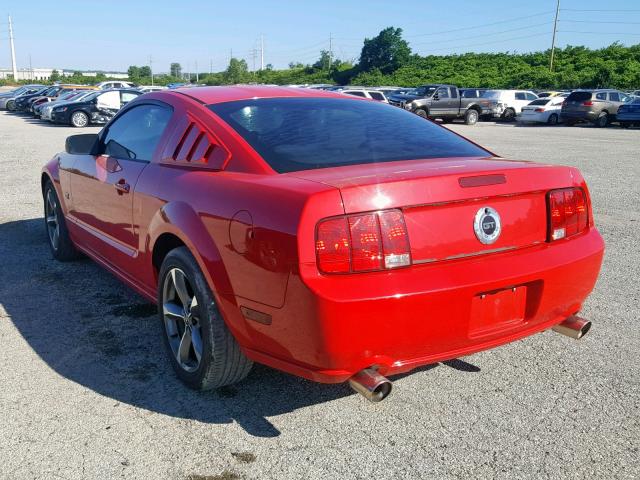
435	96
84	144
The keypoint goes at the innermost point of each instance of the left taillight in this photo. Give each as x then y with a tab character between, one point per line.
568	213
362	243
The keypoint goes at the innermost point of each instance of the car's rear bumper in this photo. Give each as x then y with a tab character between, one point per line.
587	116
334	326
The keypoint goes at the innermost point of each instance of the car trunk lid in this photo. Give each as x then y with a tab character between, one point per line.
441	198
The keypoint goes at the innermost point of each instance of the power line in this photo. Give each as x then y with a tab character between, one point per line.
608	10
486	34
599	21
479	26
600	33
489	43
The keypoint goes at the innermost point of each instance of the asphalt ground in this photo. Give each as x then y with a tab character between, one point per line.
86	391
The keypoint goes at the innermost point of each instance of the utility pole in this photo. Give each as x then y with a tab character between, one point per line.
210	66
197	74
330	51
30	69
553	40
261	51
13	51
254	54
151	68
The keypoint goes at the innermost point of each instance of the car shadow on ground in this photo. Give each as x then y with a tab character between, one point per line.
92	330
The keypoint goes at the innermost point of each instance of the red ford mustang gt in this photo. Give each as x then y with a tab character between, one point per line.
328	236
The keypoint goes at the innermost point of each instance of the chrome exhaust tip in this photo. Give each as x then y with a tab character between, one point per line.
371	385
574	327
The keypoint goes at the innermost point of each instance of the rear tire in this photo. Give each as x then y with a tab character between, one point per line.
553	119
422	113
202	350
603	120
60	243
471	117
11	105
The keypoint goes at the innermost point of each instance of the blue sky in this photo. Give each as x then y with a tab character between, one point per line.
116	34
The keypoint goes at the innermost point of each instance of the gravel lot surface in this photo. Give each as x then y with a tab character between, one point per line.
86	390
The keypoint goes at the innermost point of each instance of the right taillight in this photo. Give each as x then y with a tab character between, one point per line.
588	103
568	213
363	243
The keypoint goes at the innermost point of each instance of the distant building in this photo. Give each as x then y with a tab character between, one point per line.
43	74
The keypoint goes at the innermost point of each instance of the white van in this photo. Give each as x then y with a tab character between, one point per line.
509	102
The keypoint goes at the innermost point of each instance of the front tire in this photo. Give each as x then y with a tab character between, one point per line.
60	243
79	119
202	350
11	105
471	117
422	113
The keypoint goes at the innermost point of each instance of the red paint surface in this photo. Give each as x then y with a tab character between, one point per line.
252	232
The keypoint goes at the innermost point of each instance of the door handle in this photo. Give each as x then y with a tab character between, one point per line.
122	186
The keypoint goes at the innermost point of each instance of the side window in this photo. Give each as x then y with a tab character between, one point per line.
520	96
454	92
625	98
109	100
377	96
530	96
135	135
601	96
443	92
614	96
356	94
127	97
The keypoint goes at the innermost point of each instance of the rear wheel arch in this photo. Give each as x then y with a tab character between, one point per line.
161	248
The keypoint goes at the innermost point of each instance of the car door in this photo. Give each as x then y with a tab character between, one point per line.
103	186
440	103
616	100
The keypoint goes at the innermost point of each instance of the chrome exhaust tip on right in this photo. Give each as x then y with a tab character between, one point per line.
371	385
574	327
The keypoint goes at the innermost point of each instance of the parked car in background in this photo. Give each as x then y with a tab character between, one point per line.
251	216
53	93
387	90
72	97
551	93
596	106
439	101
23	102
542	110
370	94
176	85
507	104
151	88
96	110
115	84
636	93
629	114
8	102
64	96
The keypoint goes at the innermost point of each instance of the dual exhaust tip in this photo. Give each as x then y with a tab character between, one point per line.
376	387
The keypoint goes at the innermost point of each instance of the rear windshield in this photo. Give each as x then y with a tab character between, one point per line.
542	101
579	96
305	133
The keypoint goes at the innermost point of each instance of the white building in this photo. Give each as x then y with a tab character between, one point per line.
43	74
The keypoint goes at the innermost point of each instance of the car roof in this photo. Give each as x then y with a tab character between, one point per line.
209	95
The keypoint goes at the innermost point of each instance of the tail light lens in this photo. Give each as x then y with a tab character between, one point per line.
568	213
363	243
539	109
588	103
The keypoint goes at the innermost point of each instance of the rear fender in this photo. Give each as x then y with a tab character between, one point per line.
179	219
